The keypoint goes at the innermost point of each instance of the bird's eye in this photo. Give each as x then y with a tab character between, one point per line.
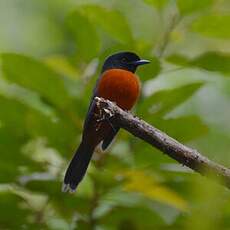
124	60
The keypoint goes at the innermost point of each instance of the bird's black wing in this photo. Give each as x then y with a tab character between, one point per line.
107	141
92	103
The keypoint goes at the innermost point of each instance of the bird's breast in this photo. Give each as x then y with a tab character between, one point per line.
119	86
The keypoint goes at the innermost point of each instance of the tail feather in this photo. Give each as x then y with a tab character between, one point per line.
77	167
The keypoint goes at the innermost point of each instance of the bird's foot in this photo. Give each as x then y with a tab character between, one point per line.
106	116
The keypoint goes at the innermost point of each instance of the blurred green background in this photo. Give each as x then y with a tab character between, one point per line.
51	52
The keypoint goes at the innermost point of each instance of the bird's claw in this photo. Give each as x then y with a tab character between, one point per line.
105	116
106	119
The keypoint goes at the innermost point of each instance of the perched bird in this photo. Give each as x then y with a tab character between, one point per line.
117	83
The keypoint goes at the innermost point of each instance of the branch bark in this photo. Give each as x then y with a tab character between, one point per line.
186	156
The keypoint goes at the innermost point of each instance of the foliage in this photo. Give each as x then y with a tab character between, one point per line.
51	53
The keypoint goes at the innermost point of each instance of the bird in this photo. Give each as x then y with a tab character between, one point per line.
117	83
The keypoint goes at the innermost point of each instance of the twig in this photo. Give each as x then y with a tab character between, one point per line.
181	153
164	41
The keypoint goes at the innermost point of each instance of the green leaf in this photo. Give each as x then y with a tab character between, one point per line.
13	114
23	117
183	129
118	208
145	156
159	4
178	59
190	6
10	203
85	36
216	26
111	21
37	28
35	75
64	203
162	102
138	181
11	158
25	97
13	135
206	194
149	71
62	66
60	133
138	217
213	62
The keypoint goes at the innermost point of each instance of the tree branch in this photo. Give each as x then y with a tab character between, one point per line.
181	153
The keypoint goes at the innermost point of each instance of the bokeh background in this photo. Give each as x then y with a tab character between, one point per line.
51	52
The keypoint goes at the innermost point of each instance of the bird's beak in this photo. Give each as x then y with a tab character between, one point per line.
140	62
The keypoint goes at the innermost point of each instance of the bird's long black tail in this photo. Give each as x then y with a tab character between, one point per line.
77	167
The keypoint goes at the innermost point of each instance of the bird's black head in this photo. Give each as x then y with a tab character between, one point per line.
123	60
